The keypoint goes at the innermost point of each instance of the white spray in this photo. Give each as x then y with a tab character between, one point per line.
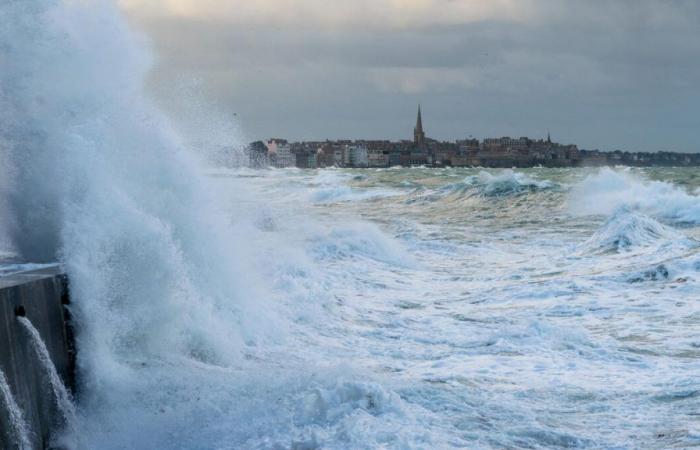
608	190
61	397
15	430
99	181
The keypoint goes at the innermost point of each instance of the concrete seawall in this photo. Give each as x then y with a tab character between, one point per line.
41	295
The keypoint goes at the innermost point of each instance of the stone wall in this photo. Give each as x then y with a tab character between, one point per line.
42	296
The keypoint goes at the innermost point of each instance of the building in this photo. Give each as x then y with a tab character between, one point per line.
418	133
507	144
306	159
377	157
330	155
339	156
280	153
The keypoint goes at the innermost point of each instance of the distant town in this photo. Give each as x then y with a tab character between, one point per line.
505	152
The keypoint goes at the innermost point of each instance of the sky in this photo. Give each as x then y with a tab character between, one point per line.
607	74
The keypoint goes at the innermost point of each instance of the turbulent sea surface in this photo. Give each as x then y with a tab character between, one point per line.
541	308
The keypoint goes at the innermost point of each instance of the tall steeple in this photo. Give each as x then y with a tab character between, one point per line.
418	134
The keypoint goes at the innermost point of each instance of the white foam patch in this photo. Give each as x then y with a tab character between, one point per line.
361	239
611	189
330	186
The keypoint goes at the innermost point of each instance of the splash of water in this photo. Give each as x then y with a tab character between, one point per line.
14	428
608	190
102	182
63	402
501	183
628	230
507	182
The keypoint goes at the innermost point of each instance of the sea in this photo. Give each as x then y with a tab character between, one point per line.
391	308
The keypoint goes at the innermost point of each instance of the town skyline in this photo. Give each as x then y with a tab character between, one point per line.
422	150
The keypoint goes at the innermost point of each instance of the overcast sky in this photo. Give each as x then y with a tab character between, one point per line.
603	74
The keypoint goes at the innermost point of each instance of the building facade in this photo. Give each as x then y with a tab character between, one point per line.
280	153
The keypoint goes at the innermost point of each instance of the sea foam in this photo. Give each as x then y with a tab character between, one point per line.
610	189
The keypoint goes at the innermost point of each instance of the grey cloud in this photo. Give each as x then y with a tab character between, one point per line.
599	73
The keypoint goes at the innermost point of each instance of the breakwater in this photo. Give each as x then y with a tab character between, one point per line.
35	338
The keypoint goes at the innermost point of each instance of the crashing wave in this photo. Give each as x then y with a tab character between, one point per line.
509	182
627	230
503	183
337	194
361	240
331	404
329	186
609	190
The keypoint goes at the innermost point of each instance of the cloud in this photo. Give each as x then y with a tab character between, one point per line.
619	74
420	80
334	14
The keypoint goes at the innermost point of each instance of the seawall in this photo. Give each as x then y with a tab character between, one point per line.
41	295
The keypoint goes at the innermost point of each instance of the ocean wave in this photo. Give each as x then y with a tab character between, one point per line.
681	268
330	186
508	182
626	230
363	240
330	177
504	183
347	194
609	190
330	404
657	273
348	414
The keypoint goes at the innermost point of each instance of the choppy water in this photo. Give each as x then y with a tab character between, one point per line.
486	309
399	308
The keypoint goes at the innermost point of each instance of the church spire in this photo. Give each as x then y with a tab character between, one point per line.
418	134
419	121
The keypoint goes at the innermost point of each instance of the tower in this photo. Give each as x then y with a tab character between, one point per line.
418	133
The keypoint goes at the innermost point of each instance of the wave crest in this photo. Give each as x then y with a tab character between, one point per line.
626	230
608	190
329	186
504	183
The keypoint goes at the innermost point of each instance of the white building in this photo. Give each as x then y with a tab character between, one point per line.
507	143
377	157
282	152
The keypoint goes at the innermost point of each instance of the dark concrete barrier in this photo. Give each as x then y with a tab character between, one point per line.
40	295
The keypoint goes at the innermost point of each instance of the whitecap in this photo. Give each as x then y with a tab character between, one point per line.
611	189
628	230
